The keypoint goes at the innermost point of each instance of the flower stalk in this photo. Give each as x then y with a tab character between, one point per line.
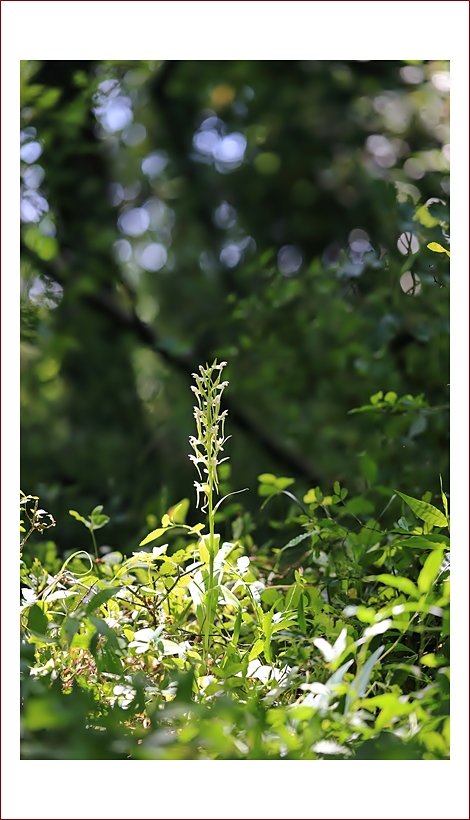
208	446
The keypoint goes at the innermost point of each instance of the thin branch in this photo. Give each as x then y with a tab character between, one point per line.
105	303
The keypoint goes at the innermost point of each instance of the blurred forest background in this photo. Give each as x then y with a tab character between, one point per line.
272	214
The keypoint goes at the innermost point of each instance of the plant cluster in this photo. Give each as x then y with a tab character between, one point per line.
332	643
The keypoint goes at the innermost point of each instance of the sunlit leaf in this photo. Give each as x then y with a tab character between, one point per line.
427	512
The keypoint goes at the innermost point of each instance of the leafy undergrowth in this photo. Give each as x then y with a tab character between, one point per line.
334	645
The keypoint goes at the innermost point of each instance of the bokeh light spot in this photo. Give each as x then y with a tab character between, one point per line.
289	260
230	255
30	152
134	222
410	283
408	242
152	257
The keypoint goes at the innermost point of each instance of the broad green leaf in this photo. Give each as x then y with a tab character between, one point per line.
434	246
430	570
427	512
37	620
398	582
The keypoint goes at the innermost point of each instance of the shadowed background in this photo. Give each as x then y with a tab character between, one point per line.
260	212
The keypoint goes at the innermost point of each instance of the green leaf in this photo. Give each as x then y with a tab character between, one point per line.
274	483
368	468
361	681
79	517
236	627
152	536
256	650
359	506
428	542
423	216
427	512
282	482
98	521
37	620
430	570
70	628
301	615
444	499
100	598
294	541
178	512
376	397
107	660
229	597
266	490
397	582
434	246
267	478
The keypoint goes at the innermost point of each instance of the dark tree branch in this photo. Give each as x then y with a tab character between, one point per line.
106	304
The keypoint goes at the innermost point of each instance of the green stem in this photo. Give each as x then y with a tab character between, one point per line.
94	541
210	583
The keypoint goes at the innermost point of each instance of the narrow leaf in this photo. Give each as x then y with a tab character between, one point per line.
361	681
152	536
430	570
398	582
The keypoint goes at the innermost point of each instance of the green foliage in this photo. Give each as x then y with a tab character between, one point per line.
333	646
291	217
